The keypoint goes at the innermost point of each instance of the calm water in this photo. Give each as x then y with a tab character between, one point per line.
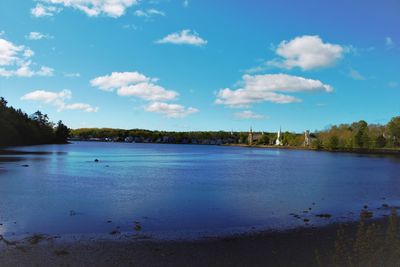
185	188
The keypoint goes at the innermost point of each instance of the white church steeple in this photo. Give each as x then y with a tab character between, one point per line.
278	141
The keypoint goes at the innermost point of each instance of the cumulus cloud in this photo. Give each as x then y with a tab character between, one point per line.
92	8
58	99
15	60
119	79
48	97
269	88
147	91
149	13
11	54
134	84
186	37
307	52
138	85
38	36
248	114
170	110
44	11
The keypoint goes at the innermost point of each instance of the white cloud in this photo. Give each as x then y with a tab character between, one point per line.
389	43
92	8
48	97
28	53
44	11
45	71
10	53
38	36
170	110
269	88
138	85
81	106
307	52
25	71
248	114
149	13
257	69
183	37
119	79
147	91
58	99
15	61
356	75
134	84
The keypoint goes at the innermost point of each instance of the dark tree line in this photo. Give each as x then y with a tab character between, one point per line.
18	128
142	135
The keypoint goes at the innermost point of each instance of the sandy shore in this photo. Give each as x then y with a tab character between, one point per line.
290	248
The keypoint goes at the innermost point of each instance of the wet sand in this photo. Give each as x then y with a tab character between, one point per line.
290	248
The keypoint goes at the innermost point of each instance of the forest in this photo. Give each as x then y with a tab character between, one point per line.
18	128
147	136
359	135
355	136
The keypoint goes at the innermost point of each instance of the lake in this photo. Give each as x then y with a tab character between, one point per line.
186	190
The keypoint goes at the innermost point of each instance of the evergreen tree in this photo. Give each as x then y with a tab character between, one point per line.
61	133
17	128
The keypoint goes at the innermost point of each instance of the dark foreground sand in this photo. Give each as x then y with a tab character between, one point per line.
291	248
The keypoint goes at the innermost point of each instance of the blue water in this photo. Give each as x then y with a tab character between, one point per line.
185	188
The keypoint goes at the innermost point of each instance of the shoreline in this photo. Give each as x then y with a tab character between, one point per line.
375	151
295	247
368	151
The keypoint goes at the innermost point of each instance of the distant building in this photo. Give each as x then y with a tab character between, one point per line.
128	139
278	141
250	137
253	137
307	138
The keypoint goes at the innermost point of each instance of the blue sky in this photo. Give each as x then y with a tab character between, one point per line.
202	65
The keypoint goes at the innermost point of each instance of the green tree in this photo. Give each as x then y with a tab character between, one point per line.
243	138
264	140
316	144
17	128
61	133
41	118
394	130
361	138
380	141
333	142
